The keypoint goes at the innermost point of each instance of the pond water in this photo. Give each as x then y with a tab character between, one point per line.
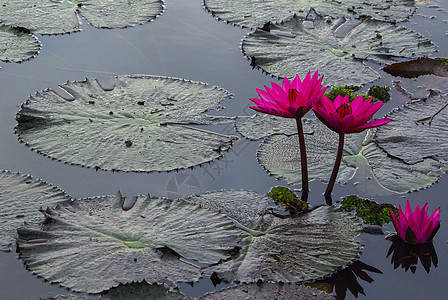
187	42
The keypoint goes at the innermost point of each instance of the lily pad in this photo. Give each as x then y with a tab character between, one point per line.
371	168
418	67
413	134
17	45
256	291
135	123
62	16
309	246
252	13
21	196
337	47
95	244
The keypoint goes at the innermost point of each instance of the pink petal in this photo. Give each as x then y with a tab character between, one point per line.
372	124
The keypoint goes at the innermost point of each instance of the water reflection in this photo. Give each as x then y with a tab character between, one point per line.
347	279
407	255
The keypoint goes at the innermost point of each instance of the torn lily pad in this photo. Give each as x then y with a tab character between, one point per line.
95	244
21	196
251	13
309	246
135	123
337	47
265	290
372	170
418	130
17	45
63	16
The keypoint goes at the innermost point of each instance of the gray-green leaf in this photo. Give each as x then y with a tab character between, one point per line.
62	16
17	45
336	47
21	196
140	123
413	134
98	243
373	171
252	13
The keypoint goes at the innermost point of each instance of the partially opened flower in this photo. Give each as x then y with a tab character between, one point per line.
345	117
415	226
292	100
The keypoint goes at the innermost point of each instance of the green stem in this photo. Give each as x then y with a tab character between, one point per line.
303	160
337	163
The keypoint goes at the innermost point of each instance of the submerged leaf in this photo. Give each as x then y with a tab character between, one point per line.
98	243
17	45
21	196
54	17
373	171
257	291
252	13
418	130
337	47
309	246
140	123
418	67
142	290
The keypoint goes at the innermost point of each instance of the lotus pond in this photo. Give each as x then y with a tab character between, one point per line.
105	125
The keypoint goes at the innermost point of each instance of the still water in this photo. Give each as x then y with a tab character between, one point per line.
187	42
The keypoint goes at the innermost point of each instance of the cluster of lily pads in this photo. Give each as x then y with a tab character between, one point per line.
154	123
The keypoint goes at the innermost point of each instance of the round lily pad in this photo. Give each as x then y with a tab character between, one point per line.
336	47
370	167
252	13
54	17
418	130
21	196
135	123
95	244
17	45
305	247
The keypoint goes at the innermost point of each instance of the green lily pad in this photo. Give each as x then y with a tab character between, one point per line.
256	291
135	123
309	246
95	244
413	134
252	13
62	16
21	196
336	47
17	45
371	168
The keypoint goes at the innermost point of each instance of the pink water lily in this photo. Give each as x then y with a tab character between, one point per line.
292	99
415	226
345	117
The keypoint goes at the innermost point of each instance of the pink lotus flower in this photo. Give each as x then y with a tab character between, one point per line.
344	117
293	99
416	227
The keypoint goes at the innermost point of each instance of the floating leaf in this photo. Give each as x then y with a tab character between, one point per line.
337	47
21	196
251	13
130	124
309	246
62	16
369	166
256	291
418	130
370	211
142	290
418	67
17	45
95	244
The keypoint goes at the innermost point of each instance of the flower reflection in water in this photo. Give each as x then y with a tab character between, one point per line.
407	255
347	279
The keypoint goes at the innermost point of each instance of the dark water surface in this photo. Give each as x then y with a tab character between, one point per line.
187	42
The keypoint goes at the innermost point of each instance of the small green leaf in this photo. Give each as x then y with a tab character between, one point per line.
370	211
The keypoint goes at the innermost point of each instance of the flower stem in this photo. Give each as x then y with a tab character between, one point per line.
337	163
303	160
